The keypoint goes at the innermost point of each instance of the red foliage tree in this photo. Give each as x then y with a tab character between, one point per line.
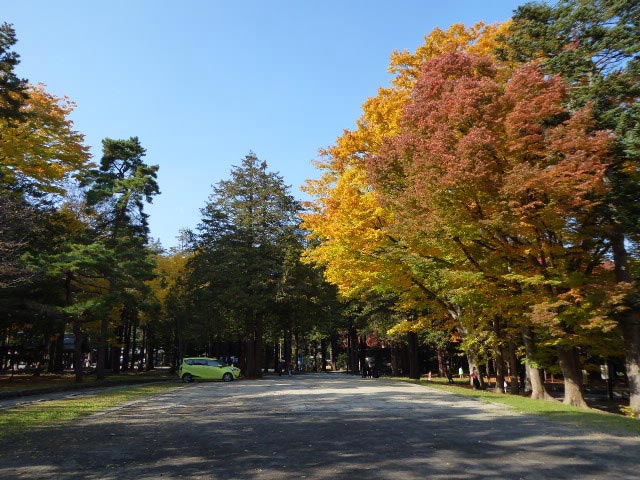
501	179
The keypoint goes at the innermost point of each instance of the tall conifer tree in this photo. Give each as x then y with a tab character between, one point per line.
245	227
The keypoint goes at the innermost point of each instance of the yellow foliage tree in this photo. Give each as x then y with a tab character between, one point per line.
345	218
168	270
42	150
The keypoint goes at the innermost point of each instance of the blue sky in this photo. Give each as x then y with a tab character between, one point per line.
203	82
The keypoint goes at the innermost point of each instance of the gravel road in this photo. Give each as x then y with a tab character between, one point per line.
317	427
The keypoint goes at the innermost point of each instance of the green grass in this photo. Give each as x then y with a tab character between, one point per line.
15	421
591	419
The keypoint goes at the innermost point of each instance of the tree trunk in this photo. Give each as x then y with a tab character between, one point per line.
483	371
538	390
414	368
611	375
179	340
126	337
116	350
143	347
115	358
631	336
500	369
254	351
287	352
149	363
472	360
4	351
362	354
630	324
248	348
101	366
395	359
259	346
56	360
573	392
267	356
276	357
296	337
258	350
353	352
323	353
177	348
514	366
134	346
442	364
334	352
78	356
499	356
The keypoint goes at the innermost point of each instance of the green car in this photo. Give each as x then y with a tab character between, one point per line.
206	369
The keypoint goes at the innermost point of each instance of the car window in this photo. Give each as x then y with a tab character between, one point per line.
204	361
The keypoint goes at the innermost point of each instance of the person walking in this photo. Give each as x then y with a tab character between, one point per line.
474	379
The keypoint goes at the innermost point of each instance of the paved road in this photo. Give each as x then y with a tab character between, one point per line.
317	427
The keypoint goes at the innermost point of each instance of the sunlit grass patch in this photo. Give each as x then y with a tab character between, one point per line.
592	419
44	414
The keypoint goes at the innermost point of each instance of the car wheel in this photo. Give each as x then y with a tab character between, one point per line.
227	377
187	378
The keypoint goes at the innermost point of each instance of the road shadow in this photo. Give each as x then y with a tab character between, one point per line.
317	427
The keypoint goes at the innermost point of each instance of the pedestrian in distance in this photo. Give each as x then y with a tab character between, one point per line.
474	379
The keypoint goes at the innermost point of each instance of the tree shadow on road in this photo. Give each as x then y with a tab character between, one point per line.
328	429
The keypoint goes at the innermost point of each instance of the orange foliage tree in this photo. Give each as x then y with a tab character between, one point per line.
345	218
500	180
346	221
42	151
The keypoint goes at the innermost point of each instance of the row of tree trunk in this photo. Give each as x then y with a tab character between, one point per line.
568	360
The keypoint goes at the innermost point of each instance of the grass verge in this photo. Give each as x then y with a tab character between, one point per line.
22	384
15	421
591	419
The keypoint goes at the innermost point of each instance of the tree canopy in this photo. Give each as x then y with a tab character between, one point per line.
485	204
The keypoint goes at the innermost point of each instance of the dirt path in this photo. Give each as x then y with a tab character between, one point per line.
317	427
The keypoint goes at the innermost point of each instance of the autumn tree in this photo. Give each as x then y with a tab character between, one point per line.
346	219
594	45
345	216
497	181
170	272
40	152
41	157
